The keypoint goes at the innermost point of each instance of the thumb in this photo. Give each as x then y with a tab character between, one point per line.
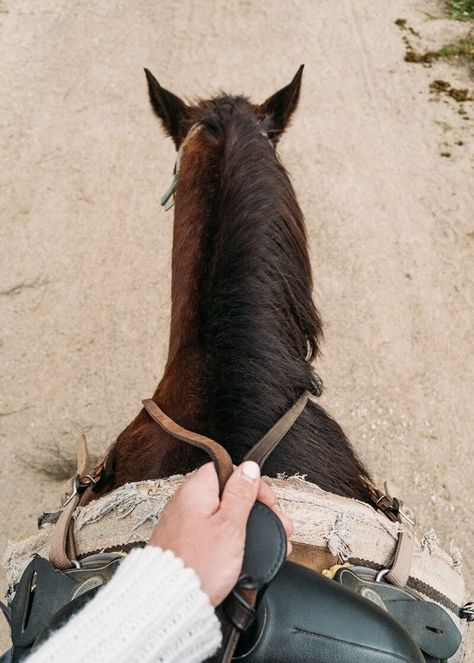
240	493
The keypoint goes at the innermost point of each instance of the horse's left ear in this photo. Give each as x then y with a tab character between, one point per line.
171	110
280	106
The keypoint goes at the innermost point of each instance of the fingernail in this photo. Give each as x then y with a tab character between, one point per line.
250	471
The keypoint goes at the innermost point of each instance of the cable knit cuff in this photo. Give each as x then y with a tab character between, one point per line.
153	609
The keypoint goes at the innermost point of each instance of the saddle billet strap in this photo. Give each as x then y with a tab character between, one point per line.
62	553
396	511
219	455
62	549
235	614
413	583
264	447
403	557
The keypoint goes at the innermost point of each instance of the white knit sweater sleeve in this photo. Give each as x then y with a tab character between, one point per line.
152	610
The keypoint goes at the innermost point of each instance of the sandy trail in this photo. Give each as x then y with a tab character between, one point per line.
86	264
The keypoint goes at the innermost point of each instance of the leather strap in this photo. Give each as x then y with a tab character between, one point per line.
220	457
238	610
82	464
235	614
401	564
264	447
396	511
428	623
62	550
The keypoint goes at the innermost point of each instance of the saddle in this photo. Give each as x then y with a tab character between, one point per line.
303	616
278	611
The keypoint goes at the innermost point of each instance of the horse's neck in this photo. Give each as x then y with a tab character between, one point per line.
231	365
241	321
180	390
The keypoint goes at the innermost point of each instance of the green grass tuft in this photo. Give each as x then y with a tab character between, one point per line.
462	10
463	48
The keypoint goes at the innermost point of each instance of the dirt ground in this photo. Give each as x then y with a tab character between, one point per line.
85	266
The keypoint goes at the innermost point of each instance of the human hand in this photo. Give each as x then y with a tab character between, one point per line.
209	534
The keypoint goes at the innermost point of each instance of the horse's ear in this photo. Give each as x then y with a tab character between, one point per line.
279	107
170	109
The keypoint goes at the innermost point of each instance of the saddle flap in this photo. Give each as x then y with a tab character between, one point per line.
304	616
41	592
428	623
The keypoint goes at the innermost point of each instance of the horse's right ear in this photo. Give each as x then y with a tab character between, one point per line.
279	108
171	110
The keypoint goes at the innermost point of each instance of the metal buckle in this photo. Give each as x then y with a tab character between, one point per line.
384	497
407	515
393	506
317	385
90	480
75	490
78	484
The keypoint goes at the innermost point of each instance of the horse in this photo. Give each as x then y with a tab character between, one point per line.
244	335
244	328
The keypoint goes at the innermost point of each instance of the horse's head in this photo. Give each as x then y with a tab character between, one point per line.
177	116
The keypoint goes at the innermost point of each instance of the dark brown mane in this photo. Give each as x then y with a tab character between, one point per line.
244	326
259	328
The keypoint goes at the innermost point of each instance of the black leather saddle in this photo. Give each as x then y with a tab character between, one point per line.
302	617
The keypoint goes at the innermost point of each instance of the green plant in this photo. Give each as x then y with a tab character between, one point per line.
462	48
462	10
